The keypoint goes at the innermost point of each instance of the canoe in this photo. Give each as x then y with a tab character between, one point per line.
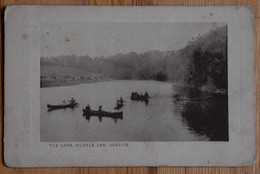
102	114
139	98
62	106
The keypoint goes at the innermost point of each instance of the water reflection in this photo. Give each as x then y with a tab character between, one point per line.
100	118
146	102
205	117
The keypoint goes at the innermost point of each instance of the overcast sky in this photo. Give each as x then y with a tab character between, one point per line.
105	39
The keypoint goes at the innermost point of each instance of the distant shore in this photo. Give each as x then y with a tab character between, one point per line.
53	82
45	83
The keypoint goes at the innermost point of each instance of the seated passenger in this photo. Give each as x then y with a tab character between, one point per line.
87	107
72	101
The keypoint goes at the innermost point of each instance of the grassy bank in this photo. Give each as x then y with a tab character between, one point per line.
52	76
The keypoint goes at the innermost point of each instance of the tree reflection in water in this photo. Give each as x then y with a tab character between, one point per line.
206	117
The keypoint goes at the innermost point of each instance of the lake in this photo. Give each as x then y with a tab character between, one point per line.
162	119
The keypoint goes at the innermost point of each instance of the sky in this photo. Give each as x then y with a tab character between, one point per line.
106	39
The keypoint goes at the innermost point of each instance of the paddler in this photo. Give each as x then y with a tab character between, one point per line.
146	95
121	100
72	101
100	108
87	107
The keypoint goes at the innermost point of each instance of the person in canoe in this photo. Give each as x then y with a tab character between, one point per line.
121	100
100	110
135	96
87	108
146	95
72	101
119	103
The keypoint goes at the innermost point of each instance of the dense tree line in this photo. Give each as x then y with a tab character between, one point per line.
208	62
146	66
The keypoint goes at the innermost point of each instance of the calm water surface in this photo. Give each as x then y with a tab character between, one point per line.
160	120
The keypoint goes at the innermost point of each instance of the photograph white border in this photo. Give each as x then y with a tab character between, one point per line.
22	146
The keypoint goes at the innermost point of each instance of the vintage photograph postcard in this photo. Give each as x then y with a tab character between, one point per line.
129	86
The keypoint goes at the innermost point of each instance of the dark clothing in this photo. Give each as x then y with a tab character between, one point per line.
146	95
72	101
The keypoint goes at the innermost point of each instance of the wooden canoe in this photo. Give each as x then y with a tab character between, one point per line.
62	106
102	114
